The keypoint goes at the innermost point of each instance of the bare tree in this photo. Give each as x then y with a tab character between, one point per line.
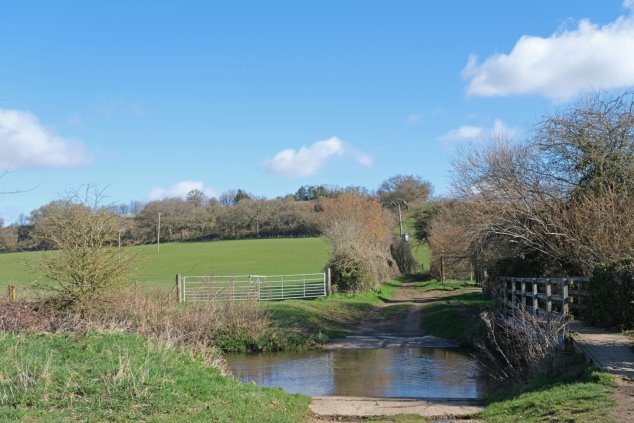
566	193
196	197
87	264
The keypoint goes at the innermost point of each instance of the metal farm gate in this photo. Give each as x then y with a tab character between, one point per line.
252	287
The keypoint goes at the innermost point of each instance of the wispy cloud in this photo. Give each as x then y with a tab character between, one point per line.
26	143
308	160
569	62
468	132
180	190
413	119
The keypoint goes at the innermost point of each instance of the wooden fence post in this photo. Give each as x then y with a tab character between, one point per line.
328	282
549	301
535	298
564	297
442	269
178	288
513	296
580	293
11	293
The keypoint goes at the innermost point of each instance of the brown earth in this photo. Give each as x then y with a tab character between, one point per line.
405	322
624	396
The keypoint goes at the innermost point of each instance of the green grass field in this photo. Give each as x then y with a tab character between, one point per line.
243	257
420	250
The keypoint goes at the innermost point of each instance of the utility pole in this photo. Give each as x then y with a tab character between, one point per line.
158	234
398	203
119	252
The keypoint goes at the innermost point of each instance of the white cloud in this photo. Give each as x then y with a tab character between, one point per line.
499	128
569	62
363	159
414	118
179	190
309	159
462	133
25	143
467	132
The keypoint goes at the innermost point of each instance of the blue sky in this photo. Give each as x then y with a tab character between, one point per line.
153	98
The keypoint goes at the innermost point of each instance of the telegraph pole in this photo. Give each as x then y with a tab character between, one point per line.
398	203
158	234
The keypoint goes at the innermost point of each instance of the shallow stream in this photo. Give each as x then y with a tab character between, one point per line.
381	372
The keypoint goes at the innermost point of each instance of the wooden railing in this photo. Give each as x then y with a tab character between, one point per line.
544	296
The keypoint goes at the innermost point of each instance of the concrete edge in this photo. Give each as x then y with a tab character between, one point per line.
474	401
442	408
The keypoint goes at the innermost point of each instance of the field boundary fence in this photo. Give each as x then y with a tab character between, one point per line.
251	287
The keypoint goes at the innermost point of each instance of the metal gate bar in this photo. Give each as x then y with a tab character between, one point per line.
253	287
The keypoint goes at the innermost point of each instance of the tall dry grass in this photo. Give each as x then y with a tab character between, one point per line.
520	346
204	329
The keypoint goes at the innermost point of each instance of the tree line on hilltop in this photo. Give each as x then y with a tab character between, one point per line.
235	214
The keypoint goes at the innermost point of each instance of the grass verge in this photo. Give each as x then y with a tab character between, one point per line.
456	317
578	393
120	377
327	317
448	285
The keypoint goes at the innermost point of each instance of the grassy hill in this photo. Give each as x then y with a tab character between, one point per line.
243	257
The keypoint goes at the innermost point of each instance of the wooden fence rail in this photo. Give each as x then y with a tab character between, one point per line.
566	296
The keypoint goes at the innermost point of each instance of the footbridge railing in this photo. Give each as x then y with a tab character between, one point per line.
566	296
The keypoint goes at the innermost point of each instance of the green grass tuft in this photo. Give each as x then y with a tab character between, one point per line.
448	285
119	377
456	317
583	396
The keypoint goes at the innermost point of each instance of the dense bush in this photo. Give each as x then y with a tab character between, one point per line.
611	295
359	231
350	273
402	254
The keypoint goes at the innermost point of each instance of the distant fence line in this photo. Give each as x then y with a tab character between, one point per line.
565	296
252	287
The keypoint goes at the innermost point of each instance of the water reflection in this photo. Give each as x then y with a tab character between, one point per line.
394	372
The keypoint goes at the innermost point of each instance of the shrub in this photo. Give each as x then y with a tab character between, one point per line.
350	273
402	254
87	265
359	231
611	295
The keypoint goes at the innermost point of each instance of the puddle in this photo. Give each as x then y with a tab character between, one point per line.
385	372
